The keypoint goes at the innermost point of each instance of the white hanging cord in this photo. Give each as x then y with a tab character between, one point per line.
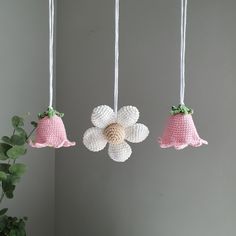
51	50
116	78
182	49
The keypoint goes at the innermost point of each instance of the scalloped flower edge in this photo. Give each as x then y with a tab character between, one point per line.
64	143
179	146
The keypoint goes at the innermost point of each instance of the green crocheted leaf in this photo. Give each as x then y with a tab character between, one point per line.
50	113
181	109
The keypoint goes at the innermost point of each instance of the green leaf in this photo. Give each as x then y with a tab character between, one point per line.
21	232
21	132
17	121
181	109
13	232
7	140
17	169
3	151
14	179
34	123
12	226
16	151
3	211
2	175
4	167
3	222
8	187
21	229
9	194
18	139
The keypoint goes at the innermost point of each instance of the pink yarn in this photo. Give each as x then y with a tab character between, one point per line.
51	132
180	132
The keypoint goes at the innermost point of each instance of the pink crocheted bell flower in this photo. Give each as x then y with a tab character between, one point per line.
50	131
180	130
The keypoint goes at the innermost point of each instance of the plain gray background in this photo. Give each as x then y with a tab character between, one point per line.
24	88
156	192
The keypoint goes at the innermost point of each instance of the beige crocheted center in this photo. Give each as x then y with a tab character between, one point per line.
114	133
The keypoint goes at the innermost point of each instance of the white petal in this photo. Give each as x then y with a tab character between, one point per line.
136	133
127	116
119	152
94	139
102	116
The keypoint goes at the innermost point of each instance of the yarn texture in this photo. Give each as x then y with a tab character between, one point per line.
115	130
50	132
180	132
115	133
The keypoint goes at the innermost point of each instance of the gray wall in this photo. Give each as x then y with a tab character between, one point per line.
24	86
156	192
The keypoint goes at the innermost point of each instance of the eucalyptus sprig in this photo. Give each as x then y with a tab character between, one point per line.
11	226
11	149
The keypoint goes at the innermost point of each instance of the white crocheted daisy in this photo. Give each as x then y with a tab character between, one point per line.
115	130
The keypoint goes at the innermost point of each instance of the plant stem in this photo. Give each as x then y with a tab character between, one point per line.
31	133
2	196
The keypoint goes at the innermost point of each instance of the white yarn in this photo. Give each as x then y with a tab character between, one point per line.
94	139
136	133
103	117
119	152
127	116
182	49
51	50
116	78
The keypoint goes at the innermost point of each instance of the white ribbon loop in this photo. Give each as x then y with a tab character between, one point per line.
182	49
51	50
116	78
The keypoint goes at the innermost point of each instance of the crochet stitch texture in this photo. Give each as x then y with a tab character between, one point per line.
114	131
180	132
51	132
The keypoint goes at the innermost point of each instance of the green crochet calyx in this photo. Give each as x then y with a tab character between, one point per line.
50	113
181	109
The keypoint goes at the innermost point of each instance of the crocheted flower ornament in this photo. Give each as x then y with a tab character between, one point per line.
50	131
115	130
180	130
